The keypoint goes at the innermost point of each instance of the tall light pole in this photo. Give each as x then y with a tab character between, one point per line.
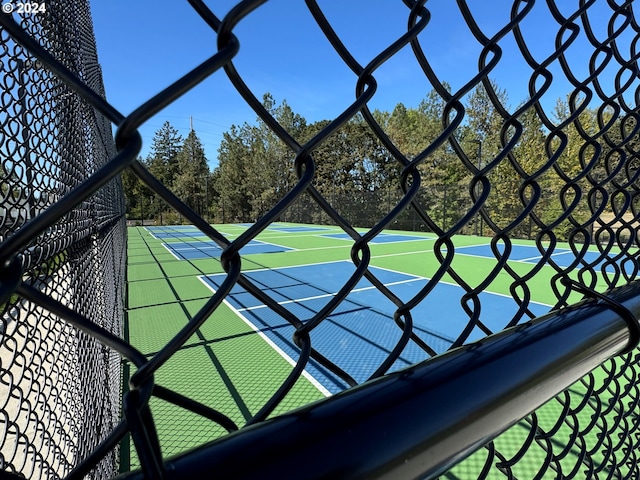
479	220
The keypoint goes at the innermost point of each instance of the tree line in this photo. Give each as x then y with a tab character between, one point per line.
537	178
182	166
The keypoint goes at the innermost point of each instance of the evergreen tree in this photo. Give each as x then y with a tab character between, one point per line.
233	154
130	189
163	160
137	196
579	152
256	168
486	129
350	171
270	170
413	132
191	182
536	172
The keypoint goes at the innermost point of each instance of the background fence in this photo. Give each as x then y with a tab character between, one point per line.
63	238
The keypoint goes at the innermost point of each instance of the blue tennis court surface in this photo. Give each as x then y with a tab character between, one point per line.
209	249
530	254
178	235
174	231
361	332
380	238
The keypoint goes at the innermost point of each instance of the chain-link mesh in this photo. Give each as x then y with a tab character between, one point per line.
62	231
59	388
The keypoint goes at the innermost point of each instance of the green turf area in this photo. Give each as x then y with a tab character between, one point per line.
227	365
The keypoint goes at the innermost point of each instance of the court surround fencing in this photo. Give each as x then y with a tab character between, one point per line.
63	239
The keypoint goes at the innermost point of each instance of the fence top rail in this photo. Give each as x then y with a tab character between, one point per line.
420	421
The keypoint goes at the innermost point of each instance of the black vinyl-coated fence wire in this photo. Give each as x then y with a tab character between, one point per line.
63	233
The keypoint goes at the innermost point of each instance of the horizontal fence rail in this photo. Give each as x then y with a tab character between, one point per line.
551	395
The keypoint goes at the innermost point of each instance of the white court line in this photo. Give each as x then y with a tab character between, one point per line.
457	252
415	278
443	250
306	374
197	249
321	248
281	352
285	248
151	233
470	246
188	247
327	295
380	238
184	246
167	232
328	262
399	254
527	260
431	250
456	285
540	256
172	253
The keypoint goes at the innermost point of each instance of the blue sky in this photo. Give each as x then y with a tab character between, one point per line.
144	45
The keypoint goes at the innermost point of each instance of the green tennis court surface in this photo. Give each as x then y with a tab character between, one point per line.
242	354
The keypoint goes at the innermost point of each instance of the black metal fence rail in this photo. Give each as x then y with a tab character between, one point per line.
386	428
62	239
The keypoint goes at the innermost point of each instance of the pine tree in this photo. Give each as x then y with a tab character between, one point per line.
163	160
487	129
191	182
256	168
230	175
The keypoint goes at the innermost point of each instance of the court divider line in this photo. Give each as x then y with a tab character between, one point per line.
327	295
373	242
270	342
286	249
431	250
417	277
150	233
231	388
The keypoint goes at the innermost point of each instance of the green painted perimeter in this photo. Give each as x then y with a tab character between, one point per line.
228	366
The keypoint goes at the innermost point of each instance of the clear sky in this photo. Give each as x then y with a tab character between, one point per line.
144	45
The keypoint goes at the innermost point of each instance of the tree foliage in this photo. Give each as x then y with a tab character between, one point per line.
163	161
182	167
256	168
191	181
536	177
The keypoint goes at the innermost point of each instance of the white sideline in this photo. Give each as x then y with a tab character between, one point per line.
277	349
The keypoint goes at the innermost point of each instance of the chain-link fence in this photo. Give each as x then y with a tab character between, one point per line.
63	238
60	388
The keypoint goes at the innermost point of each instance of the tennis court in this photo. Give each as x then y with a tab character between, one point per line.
173	271
360	333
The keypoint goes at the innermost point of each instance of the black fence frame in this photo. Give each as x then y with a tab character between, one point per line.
557	349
